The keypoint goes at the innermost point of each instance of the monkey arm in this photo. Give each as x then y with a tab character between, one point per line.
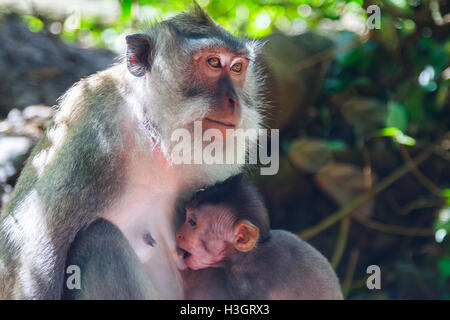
108	265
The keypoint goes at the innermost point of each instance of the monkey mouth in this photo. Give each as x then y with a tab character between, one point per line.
183	254
229	125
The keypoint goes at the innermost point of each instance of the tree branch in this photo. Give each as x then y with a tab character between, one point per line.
360	200
400	230
341	242
427	183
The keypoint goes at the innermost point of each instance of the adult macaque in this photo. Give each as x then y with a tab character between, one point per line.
227	226
108	154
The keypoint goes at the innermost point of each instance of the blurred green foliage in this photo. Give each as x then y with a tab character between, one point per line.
258	18
254	18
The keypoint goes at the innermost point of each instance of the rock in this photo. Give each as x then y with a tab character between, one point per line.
12	152
343	182
310	155
39	67
289	89
30	122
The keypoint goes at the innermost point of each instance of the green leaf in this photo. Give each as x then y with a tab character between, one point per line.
387	132
446	194
397	135
126	6
404	139
397	116
444	267
337	145
34	24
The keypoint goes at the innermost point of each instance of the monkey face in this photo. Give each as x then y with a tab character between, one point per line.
203	239
222	73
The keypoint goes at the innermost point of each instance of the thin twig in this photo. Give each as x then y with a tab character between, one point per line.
359	283
349	273
421	204
419	280
400	230
341	242
360	200
427	183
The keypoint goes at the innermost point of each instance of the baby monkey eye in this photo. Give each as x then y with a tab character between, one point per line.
192	222
237	67
214	62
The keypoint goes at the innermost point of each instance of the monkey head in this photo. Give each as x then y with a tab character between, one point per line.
210	236
193	70
222	221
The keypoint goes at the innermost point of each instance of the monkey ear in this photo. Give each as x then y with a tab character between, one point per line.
245	236
139	54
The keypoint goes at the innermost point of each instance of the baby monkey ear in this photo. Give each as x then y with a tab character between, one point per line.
139	54
245	236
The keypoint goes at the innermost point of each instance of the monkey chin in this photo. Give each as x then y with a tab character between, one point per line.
195	266
180	264
180	259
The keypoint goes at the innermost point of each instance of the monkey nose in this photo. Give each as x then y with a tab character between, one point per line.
179	236
233	102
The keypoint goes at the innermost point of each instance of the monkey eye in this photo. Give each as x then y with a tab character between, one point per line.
214	62
237	67
192	222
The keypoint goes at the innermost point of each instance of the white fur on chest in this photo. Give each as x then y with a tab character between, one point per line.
138	213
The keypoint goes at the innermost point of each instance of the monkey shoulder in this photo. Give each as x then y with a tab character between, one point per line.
108	265
302	271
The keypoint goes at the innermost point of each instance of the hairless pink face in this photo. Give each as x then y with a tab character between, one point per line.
211	233
204	240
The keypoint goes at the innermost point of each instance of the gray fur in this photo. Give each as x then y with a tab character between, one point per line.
283	267
110	270
69	195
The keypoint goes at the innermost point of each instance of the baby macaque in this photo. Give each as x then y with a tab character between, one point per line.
227	226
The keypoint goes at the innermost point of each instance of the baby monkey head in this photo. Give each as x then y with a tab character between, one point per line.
188	69
221	221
